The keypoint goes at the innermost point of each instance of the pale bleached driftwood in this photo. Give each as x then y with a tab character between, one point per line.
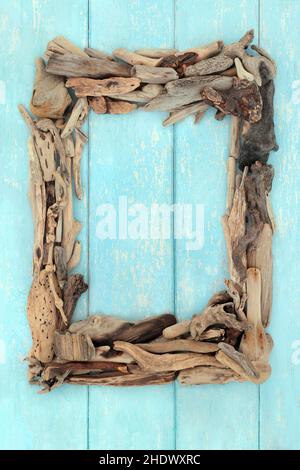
254	341
238	362
179	345
185	91
178	329
178	115
61	45
164	362
208	375
207	51
260	256
71	226
158	75
156	53
76	119
73	347
75	257
71	65
80	140
133	58
231	162
241	71
102	87
147	92
37	196
215	315
50	98
215	64
42	317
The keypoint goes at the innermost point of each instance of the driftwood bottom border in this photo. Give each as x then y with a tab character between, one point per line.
227	340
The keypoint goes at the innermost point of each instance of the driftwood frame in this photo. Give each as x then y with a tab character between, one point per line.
225	342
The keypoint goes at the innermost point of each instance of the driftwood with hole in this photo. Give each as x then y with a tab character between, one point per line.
225	341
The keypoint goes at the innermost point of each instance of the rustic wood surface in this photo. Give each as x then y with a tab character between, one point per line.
154	160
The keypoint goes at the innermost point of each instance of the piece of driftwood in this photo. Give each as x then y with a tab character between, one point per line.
50	98
103	87
149	74
208	375
126	380
177	345
71	65
215	64
164	362
226	342
156	53
260	256
73	347
185	111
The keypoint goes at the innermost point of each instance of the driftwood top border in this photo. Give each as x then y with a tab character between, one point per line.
227	341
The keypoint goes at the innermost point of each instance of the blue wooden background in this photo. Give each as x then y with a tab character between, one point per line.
135	156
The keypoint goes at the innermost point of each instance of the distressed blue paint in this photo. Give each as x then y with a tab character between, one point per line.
133	156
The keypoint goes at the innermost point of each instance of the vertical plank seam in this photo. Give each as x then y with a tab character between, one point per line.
88	233
174	240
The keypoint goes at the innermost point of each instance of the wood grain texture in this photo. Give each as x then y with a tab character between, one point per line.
132	156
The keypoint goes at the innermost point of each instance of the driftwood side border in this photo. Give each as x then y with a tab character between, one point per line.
225	342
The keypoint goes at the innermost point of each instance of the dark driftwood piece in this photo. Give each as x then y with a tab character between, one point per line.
225	342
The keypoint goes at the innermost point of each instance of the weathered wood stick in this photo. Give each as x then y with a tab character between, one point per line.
207	51
178	329
76	119
75	257
164	362
215	64
70	65
103	87
186	345
231	162
123	380
156	53
96	54
80	140
234	148
58	368
133	58
241	71
254	342
208	375
260	256
147	92
178	115
158	75
238	362
61	45
73	347
50	98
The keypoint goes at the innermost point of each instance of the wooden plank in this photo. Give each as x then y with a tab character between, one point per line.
208	417
130	156
29	421
279	397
